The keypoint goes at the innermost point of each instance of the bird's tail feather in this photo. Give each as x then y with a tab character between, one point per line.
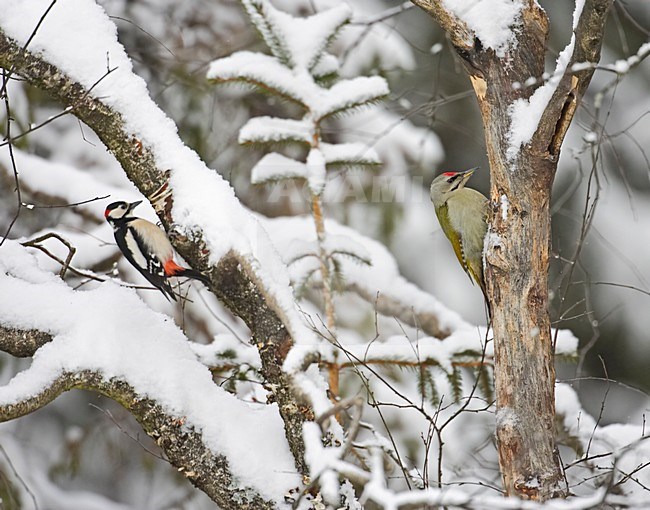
191	273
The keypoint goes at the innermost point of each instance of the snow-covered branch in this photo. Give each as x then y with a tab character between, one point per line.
108	341
212	231
183	446
571	83
460	33
22	343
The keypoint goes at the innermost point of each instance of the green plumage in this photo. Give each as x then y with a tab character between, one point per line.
462	213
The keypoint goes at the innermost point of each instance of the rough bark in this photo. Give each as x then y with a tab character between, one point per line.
232	280
183	447
517	261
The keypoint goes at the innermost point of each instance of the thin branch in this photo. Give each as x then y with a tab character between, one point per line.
73	204
19	478
5	96
383	16
392	307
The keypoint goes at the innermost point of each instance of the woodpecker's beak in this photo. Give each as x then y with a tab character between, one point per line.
464	176
469	172
133	205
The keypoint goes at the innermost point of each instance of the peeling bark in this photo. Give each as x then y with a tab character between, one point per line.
517	261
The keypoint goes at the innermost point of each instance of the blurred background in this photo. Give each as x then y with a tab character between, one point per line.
600	274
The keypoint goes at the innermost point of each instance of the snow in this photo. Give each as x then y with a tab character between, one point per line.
525	114
327	65
398	348
398	142
383	275
297	85
37	174
590	137
275	167
28	475
109	330
349	153
295	236
226	350
203	200
316	171
274	129
436	48
492	240
494	22
505	205
302	40
297	44
319	460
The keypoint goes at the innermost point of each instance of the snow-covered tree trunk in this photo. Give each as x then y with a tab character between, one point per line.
526	115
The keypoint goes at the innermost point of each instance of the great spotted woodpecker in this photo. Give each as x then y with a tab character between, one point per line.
147	248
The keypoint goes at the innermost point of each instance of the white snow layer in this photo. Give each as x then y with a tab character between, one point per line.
349	153
525	114
275	167
275	129
111	331
202	198
492	21
297	84
303	39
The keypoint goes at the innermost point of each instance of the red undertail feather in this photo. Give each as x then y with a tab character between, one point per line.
172	268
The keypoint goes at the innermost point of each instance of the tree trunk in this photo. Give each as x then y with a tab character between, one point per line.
518	242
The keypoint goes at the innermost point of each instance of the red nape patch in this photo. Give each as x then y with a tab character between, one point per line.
172	268
107	212
449	174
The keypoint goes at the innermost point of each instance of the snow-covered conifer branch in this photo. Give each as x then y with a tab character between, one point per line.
262	71
270	75
297	42
268	130
293	72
